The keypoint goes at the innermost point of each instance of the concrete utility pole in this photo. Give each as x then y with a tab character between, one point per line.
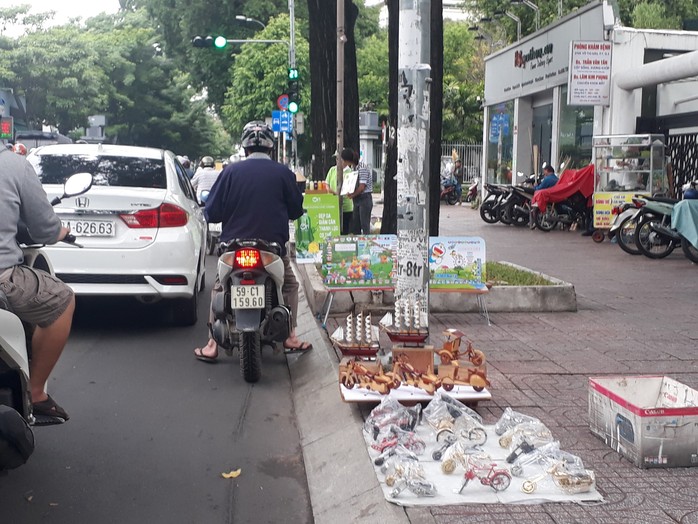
341	39
413	158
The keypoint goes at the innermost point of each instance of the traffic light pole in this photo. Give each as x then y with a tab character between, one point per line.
292	65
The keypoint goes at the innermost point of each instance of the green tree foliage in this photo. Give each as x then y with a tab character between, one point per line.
180	20
112	66
372	62
260	75
464	82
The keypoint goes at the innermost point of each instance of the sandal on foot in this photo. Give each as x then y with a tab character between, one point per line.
198	353
304	346
48	412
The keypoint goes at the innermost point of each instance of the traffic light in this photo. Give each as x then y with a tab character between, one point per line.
219	42
292	90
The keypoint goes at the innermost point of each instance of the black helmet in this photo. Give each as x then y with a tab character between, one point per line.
208	161
257	136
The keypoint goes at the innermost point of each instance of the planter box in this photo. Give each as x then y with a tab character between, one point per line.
560	296
652	421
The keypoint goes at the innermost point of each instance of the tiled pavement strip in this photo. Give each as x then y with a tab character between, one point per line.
636	316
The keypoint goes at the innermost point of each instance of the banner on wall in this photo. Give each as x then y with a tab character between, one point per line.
589	81
457	263
359	262
321	221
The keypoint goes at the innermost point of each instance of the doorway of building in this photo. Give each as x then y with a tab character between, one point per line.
542	135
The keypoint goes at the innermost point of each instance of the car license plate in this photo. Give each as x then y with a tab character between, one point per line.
215	228
90	228
247	297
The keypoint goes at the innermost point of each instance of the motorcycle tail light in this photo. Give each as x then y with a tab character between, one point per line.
616	210
247	259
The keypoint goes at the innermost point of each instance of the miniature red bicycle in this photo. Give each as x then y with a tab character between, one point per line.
488	473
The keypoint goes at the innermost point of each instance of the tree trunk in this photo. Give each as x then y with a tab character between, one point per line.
323	73
351	79
323	84
389	219
436	116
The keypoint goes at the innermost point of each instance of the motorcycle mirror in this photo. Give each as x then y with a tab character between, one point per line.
77	184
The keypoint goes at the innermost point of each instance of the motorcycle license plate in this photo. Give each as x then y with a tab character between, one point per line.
90	228
247	297
215	228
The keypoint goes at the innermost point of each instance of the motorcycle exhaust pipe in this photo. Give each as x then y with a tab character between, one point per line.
665	231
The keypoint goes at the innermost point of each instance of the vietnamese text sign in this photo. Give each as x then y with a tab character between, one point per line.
456	263
604	202
589	82
314	227
359	262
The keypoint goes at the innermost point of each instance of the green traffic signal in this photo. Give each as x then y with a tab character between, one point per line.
220	42
293	107
293	74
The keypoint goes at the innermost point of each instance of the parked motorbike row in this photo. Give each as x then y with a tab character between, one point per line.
653	227
512	205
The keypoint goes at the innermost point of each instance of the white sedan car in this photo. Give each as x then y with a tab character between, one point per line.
143	231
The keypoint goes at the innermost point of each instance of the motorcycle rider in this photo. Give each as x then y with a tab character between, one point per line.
205	177
549	180
39	299
457	175
242	190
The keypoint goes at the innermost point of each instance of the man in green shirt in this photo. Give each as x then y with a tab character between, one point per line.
348	160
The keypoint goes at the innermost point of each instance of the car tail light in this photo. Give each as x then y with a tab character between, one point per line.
247	259
167	215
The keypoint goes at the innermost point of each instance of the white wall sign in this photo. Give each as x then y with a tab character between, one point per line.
541	61
589	73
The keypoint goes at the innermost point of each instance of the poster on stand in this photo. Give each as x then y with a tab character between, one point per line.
321	221
359	262
457	263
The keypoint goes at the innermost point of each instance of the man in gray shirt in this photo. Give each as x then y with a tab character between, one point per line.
36	297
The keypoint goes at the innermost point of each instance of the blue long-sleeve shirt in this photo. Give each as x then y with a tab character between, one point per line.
255	198
549	181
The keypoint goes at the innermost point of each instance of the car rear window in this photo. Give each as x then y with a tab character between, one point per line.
105	170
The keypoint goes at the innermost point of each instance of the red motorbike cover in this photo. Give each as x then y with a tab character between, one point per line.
571	181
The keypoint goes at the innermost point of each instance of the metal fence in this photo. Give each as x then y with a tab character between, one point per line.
470	155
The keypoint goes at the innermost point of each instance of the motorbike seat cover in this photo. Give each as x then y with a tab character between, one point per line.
16	439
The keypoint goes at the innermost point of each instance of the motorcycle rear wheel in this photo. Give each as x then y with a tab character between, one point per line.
489	212
650	243
546	220
250	356
626	236
452	198
689	250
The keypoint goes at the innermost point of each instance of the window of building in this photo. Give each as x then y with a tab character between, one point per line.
501	142
576	132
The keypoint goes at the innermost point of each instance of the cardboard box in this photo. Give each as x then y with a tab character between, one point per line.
650	420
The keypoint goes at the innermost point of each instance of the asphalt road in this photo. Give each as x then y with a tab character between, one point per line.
152	429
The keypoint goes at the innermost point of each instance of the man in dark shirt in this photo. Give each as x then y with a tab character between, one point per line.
256	199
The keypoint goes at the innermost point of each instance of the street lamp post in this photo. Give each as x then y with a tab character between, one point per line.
532	6
244	18
515	18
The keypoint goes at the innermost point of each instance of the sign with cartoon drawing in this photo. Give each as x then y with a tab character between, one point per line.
360	262
456	263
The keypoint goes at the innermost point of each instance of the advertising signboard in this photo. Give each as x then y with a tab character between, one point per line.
320	221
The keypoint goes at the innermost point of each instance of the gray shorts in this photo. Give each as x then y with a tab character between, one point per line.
35	296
